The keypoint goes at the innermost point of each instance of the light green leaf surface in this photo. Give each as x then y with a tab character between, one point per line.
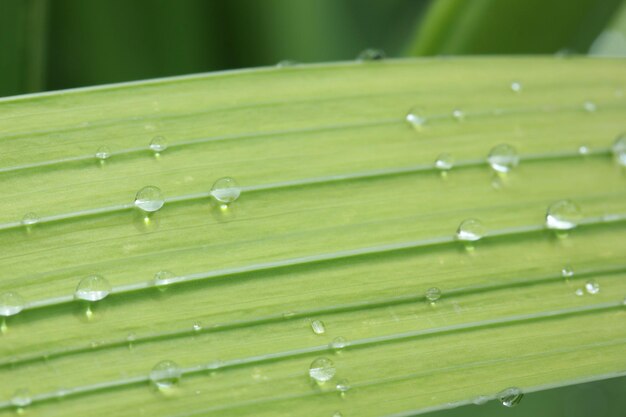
343	218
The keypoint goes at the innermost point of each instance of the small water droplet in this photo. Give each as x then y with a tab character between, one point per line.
338	344
162	279
103	153
458	114
337	414
343	386
286	63
510	397
371	54
433	294
165	375
158	144
444	162
11	303
592	287
619	149
196	327
563	215
567	272
584	150
480	400
322	370
416	118
21	398
30	219
590	106
318	327
503	158
130	339
516	86
226	190
470	230
149	199
579	292
92	288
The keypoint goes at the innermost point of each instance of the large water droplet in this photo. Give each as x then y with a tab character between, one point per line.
516	86
563	215
510	397
163	278
433	294
416	118
318	327
226	190
103	153
592	287
470	230
11	303
503	158
444	162
590	106
371	54
149	199
158	144
619	149
165	375
322	370
21	398
30	219
92	288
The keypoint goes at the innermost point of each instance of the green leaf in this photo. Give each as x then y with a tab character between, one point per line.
343	218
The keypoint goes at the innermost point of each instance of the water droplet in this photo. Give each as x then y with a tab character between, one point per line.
131	338
163	278
579	292
480	400
318	327
343	386
158	144
226	190
337	414
470	230
165	375
567	272
444	162
11	303
103	153
92	288
583	150
371	54
322	370
563	215
196	327
619	149
510	397
416	118
21	398
590	106
30	219
516	86
149	199
458	114
338	344
286	63
592	287
503	158
433	294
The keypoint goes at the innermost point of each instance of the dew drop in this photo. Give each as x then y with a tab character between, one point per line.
158	144
480	400
516	87
21	398
149	199
503	158
131	339
337	414
92	288
590	106
584	150
196	327
103	153
433	294
318	327
30	219
592	287
579	292
163	278
226	190
619	149
338	343
567	272
510	397
563	215
11	303
444	162
458	114
371	54
322	370
470	230
416	118
165	375
343	386
286	63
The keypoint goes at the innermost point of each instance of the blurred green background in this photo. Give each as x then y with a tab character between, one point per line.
56	44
